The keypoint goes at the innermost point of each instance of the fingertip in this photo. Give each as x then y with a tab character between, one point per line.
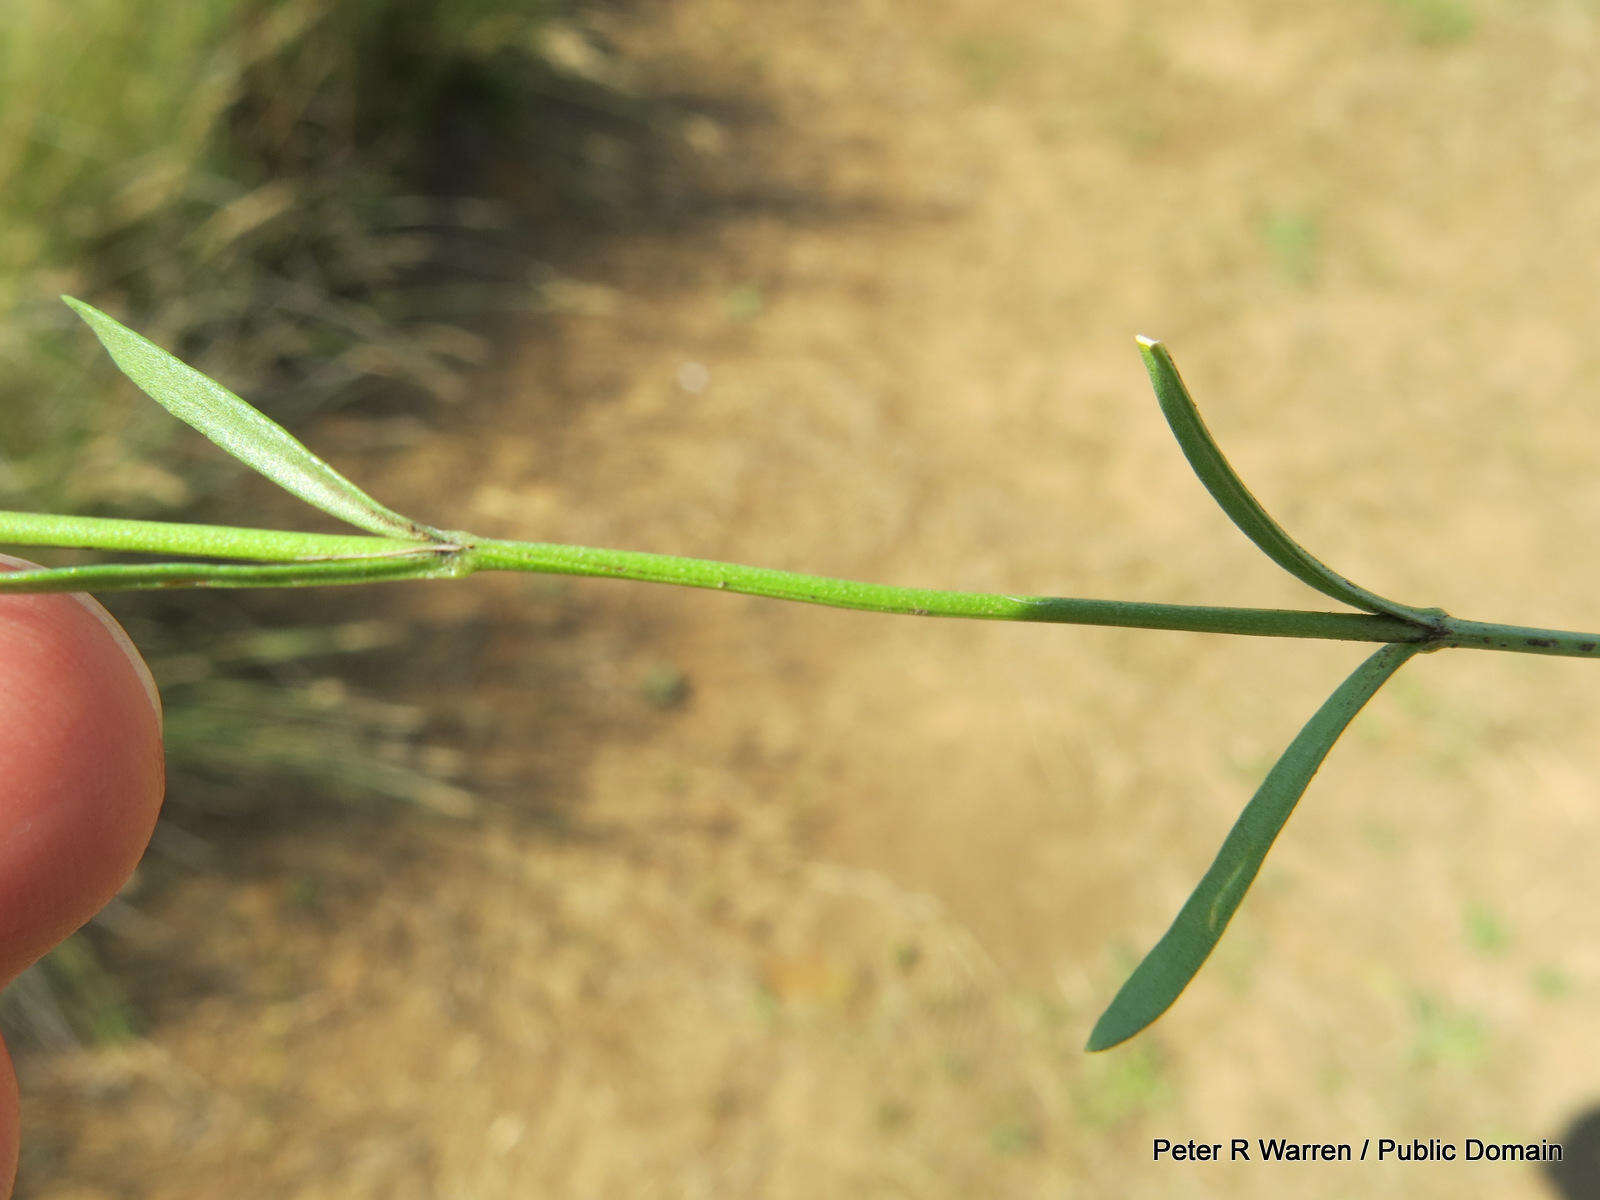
80	737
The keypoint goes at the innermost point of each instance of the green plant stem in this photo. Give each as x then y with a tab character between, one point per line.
293	558
555	559
1518	639
1441	630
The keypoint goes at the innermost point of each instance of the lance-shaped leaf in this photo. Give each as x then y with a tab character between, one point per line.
1184	948
1229	491
250	436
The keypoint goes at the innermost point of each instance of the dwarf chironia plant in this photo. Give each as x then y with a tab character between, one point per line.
399	547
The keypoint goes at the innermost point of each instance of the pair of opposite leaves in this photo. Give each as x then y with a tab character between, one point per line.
1172	963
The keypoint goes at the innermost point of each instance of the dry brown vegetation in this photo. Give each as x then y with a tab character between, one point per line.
770	901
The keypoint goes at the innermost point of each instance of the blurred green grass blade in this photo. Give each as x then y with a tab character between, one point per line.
1184	948
1229	491
127	577
250	436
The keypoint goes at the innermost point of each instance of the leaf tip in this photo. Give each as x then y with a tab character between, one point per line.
1157	358
1101	1038
1130	1013
92	316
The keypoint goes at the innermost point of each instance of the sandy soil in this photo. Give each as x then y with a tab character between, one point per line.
762	900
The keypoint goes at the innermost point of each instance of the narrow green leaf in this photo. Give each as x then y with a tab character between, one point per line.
1184	948
128	577
1229	491
250	436
195	541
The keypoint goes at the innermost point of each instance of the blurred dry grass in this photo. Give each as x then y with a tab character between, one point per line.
264	185
836	919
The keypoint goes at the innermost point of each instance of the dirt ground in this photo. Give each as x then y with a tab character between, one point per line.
770	901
